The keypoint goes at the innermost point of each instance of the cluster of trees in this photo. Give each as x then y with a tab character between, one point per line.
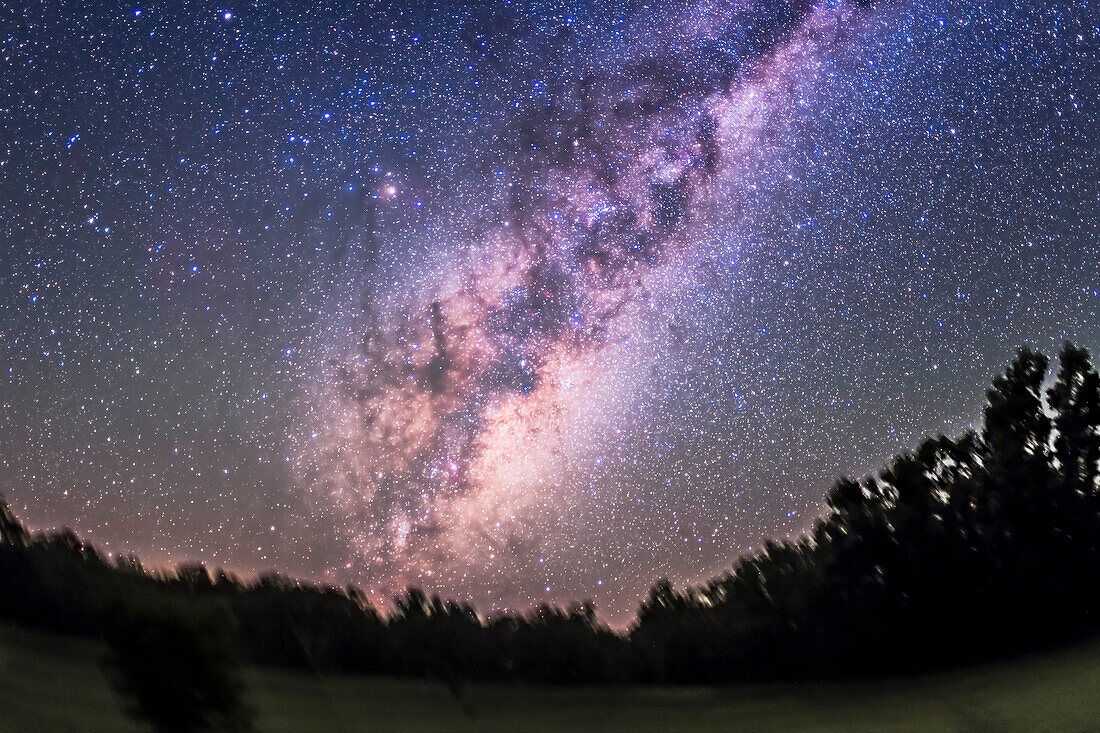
965	548
55	583
978	545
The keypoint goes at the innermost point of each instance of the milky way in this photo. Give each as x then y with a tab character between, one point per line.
521	303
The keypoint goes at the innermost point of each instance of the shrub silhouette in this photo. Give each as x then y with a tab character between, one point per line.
177	667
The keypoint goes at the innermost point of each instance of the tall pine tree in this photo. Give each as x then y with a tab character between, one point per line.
11	530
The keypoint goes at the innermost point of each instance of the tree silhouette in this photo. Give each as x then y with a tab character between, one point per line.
11	530
966	547
177	667
1075	401
1073	510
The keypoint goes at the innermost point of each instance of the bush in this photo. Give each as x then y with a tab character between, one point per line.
179	668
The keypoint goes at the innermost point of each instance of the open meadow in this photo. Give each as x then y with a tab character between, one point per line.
54	683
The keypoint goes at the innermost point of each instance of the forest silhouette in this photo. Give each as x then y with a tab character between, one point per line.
964	549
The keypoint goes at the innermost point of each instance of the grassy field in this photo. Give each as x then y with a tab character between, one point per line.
50	683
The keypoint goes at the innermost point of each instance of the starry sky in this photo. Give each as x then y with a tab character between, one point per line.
519	302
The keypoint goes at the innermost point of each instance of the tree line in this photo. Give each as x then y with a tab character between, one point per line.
965	548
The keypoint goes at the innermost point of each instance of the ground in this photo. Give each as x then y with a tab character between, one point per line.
53	683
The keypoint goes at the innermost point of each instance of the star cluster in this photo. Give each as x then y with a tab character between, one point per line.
520	302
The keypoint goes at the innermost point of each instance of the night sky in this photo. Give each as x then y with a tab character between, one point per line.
519	302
